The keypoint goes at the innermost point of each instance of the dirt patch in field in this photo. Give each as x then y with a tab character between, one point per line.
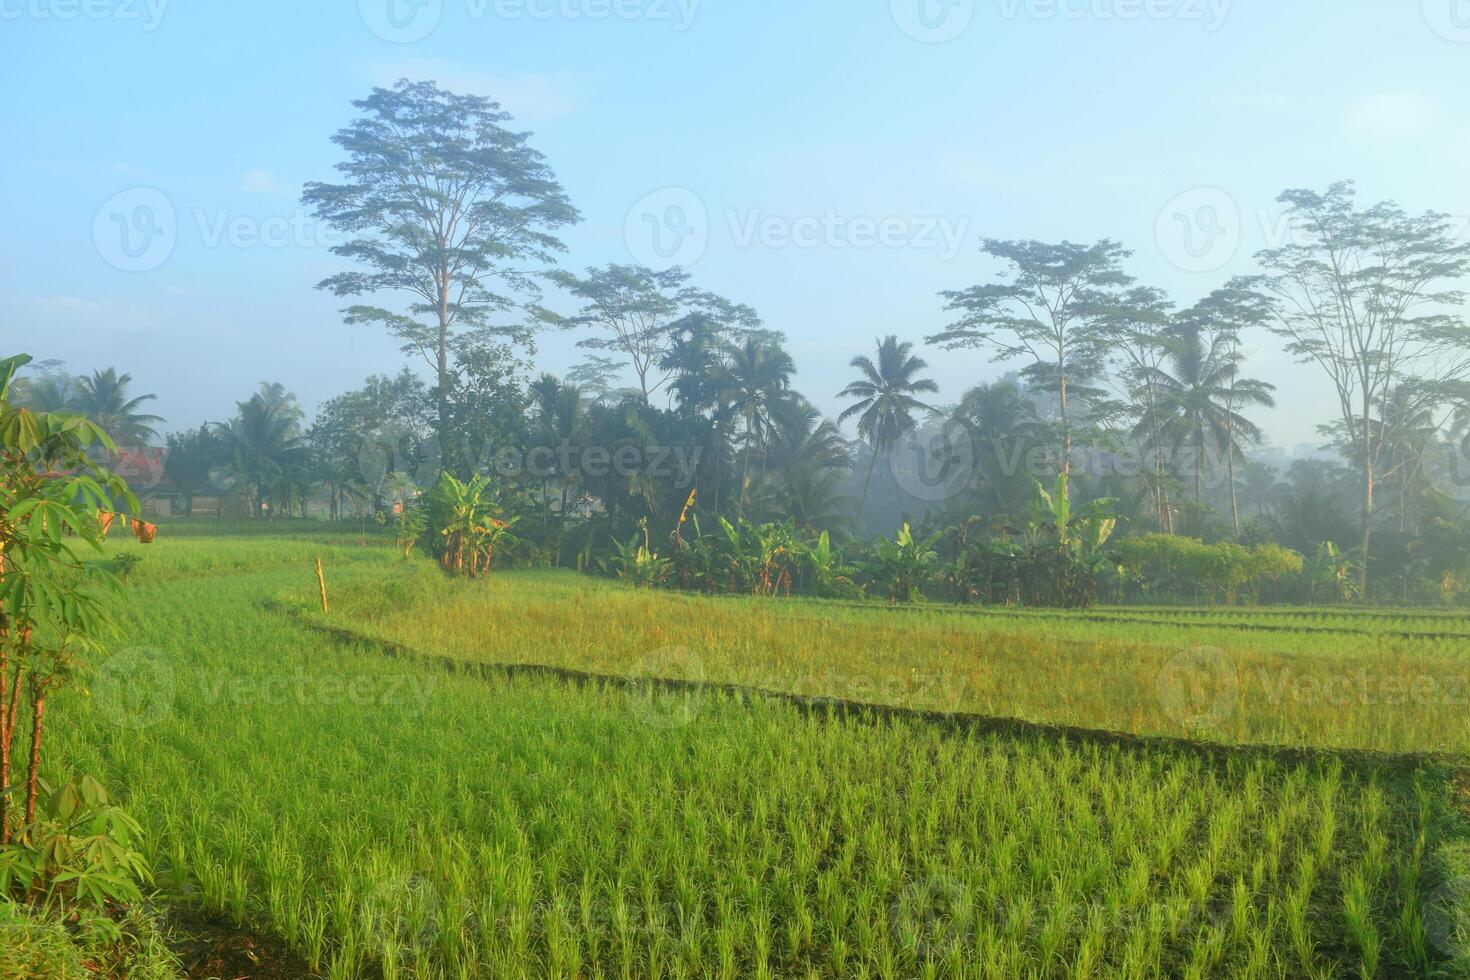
211	948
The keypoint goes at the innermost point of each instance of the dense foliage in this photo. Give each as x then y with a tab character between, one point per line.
69	847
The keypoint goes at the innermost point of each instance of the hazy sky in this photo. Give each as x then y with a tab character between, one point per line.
834	163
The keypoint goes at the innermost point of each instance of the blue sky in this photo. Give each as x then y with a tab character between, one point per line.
839	160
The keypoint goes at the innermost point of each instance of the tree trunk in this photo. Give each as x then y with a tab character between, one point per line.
4	747
1166	521
1234	499
447	461
1199	466
1367	499
561	523
745	469
1066	417
1230	471
863	503
33	775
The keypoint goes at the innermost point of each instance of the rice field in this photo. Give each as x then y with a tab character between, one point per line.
1372	680
384	816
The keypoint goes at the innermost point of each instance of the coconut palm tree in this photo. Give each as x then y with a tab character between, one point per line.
262	450
560	418
52	393
1200	393
800	434
104	398
811	497
886	403
1001	421
807	459
754	380
1261	484
281	401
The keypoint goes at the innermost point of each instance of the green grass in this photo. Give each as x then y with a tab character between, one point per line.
385	815
1352	681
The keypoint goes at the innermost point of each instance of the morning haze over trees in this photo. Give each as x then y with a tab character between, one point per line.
1140	407
656	667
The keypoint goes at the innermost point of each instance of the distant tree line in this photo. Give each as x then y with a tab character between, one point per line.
1145	410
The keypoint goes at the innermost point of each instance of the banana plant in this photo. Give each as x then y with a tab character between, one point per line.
636	562
1083	533
1334	571
465	523
900	567
829	577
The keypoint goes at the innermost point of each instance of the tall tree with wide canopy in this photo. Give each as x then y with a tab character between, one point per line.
1045	311
635	312
107	399
446	205
363	439
1134	326
886	404
191	459
1369	296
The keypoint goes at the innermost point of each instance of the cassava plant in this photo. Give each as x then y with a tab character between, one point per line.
54	498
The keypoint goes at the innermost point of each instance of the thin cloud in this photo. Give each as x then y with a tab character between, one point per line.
80	311
1391	114
261	182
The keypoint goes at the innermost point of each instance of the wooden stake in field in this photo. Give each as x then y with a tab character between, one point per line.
322	582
